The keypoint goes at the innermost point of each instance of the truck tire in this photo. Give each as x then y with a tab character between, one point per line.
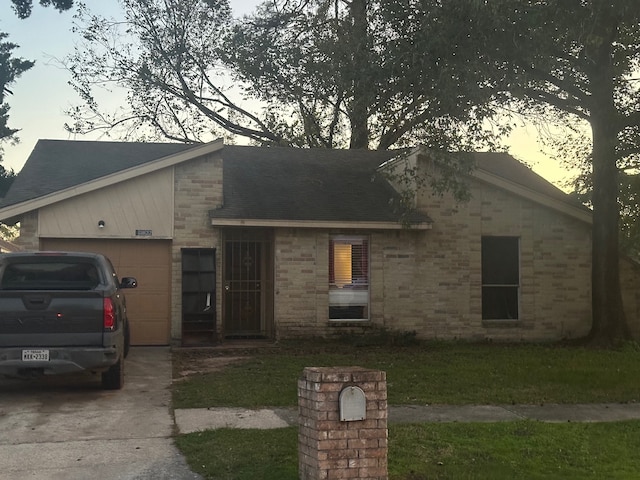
113	379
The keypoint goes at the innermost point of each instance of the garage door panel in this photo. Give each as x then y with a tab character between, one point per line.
148	331
148	306
154	278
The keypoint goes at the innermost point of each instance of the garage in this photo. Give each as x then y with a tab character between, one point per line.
147	260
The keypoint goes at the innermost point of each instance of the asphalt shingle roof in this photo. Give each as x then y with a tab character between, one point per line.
55	165
308	184
275	183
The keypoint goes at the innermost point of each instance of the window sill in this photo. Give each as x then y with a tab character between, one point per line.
501	323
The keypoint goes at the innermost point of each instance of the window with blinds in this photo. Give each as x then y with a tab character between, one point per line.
348	278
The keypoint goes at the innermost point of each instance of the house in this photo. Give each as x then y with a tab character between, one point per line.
249	242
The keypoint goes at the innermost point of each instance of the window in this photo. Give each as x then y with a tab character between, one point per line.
348	278
500	278
59	275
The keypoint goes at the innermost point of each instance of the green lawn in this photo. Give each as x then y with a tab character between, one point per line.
431	373
496	451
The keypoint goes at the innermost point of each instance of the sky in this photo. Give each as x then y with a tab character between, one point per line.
42	94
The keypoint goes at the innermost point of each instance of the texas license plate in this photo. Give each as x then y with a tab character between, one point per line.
35	355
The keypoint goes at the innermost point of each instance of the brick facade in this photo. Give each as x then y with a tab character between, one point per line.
28	239
329	448
427	281
198	189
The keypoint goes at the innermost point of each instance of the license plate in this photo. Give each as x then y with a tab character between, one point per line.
35	355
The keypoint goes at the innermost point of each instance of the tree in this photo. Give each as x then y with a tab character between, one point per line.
348	71
10	67
23	7
166	55
577	58
320	73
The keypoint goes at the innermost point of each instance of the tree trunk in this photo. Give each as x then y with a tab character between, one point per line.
609	325
359	111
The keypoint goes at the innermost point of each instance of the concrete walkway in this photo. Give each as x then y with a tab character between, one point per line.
198	419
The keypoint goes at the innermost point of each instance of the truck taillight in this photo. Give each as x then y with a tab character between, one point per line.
109	314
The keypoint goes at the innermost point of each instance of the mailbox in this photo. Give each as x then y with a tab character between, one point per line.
353	404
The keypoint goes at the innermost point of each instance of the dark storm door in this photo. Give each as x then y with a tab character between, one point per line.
243	289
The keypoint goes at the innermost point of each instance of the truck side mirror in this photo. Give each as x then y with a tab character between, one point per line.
128	282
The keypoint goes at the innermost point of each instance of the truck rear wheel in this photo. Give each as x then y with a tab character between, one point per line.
113	379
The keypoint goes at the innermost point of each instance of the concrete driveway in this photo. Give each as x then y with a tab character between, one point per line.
68	428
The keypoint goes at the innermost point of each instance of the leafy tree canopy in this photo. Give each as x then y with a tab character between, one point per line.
23	8
320	73
10	69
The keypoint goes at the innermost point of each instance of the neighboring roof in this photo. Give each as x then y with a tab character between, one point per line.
313	185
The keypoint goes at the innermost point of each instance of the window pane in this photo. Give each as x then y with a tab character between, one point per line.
500	277
500	261
348	278
50	275
500	303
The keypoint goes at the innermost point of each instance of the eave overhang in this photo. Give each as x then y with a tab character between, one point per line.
319	224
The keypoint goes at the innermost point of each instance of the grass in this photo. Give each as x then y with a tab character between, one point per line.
432	373
518	450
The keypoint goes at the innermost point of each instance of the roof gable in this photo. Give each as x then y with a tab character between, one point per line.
503	171
499	170
56	165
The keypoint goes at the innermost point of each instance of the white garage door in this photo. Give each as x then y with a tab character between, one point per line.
148	306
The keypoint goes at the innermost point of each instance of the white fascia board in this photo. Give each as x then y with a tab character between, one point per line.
12	211
224	222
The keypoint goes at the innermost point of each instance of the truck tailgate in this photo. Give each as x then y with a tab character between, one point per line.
51	318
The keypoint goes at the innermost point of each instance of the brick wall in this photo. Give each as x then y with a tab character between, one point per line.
424	281
329	448
429	281
28	239
301	282
198	189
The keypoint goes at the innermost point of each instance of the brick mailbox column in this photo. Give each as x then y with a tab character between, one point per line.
342	424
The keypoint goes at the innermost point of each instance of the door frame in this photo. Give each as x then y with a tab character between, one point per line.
263	238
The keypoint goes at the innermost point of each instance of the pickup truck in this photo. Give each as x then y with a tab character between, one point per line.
63	312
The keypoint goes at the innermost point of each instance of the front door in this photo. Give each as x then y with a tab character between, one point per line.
247	285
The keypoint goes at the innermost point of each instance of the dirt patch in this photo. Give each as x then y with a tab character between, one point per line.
199	365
